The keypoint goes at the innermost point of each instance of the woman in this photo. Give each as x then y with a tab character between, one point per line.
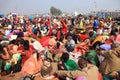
4	53
32	65
13	47
57	51
27	51
4	59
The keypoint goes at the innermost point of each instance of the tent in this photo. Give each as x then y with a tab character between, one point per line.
2	15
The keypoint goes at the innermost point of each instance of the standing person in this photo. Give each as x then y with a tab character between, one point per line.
64	27
95	24
60	35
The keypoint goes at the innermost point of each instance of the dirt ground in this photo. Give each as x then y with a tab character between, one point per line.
17	76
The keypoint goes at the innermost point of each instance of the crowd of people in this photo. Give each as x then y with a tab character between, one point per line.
60	48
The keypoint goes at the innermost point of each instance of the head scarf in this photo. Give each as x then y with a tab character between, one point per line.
105	46
81	78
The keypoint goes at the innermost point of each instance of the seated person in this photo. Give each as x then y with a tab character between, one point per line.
57	51
4	59
81	47
88	70
67	64
4	53
32	65
70	44
28	49
111	60
92	56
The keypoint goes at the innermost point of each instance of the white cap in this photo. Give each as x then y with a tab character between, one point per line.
9	26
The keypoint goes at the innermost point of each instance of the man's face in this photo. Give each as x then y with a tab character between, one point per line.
87	50
69	39
112	37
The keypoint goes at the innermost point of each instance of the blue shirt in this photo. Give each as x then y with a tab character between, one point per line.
96	23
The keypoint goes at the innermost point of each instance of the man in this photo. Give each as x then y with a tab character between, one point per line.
92	56
111	61
95	24
68	64
70	44
89	71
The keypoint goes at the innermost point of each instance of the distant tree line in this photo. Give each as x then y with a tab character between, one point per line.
55	11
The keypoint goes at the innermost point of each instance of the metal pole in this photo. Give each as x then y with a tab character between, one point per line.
95	7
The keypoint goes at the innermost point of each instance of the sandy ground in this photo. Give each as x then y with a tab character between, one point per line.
15	76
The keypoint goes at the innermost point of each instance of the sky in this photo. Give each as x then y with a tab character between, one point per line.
70	6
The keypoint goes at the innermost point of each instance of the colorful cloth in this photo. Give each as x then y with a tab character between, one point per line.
45	41
118	38
71	65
